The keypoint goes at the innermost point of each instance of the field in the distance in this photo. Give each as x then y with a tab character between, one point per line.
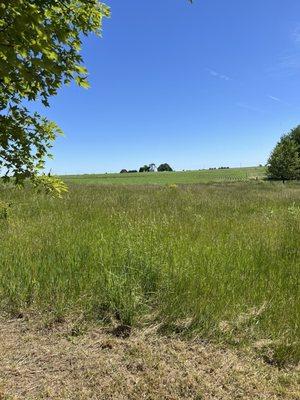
164	178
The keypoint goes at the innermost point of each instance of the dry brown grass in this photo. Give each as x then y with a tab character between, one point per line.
54	363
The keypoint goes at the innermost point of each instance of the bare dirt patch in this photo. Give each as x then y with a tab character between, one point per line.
56	364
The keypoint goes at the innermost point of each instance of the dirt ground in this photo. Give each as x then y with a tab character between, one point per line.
59	362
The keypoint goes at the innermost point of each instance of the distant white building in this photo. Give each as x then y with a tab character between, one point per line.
152	167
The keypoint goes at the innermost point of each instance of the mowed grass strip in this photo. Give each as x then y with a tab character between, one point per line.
165	178
54	364
219	261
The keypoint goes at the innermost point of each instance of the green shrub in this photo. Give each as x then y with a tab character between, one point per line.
284	161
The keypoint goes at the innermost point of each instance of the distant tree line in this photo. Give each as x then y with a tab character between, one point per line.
149	168
213	168
125	171
283	163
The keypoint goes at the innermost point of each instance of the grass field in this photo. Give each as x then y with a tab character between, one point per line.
218	261
164	178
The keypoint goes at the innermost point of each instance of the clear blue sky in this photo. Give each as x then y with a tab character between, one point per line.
209	84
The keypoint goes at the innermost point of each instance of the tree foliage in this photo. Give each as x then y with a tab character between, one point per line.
145	168
284	161
164	167
40	43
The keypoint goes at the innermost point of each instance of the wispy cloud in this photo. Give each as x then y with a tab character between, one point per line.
290	61
287	64
275	99
249	107
280	101
217	74
296	35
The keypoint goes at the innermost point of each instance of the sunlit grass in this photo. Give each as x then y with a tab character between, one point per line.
221	261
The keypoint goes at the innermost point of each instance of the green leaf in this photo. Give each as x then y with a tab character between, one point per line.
39	52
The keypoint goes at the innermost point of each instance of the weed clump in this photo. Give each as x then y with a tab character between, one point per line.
4	210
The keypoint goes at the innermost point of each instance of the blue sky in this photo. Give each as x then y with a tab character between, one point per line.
209	84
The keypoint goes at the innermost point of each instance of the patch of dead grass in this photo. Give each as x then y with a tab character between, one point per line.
54	364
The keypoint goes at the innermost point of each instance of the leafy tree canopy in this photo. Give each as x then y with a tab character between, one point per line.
164	167
284	161
40	43
295	135
145	168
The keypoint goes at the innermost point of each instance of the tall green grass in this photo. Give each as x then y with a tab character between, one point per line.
221	261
